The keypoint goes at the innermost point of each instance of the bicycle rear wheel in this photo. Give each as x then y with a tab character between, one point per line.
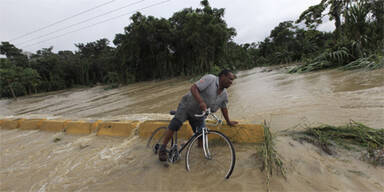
222	160
156	140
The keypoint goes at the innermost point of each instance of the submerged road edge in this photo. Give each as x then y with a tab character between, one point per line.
242	133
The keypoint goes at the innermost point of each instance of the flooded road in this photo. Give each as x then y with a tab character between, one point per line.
42	161
333	97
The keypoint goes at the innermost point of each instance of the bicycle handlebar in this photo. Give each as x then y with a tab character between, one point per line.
205	113
208	112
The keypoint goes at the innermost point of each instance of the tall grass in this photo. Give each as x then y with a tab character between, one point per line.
371	62
353	136
344	58
271	159
327	59
348	136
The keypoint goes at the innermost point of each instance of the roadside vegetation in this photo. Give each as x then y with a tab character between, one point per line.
357	41
198	41
271	159
353	136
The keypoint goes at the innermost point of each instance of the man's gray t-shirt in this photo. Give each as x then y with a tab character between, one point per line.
208	86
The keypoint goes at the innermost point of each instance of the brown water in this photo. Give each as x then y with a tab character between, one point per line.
32	161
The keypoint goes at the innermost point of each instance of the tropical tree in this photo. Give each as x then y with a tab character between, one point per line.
14	54
47	64
96	60
314	14
30	78
8	76
18	80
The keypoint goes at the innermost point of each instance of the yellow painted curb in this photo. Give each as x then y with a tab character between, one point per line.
78	127
117	128
30	124
146	128
242	133
95	126
81	127
53	125
10	123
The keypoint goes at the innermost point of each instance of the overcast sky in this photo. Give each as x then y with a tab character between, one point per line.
252	19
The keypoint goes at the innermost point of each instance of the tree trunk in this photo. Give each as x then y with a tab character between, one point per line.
336	12
379	13
338	26
13	92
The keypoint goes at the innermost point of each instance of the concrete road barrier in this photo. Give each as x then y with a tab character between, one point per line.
146	128
242	133
80	127
53	125
10	123
30	124
117	128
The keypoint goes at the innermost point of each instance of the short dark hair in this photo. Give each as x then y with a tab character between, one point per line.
224	72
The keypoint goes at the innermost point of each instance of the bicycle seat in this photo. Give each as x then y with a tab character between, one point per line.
172	112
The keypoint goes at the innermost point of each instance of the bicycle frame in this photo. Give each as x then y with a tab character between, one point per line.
204	130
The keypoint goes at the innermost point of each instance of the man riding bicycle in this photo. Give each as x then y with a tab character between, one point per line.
209	92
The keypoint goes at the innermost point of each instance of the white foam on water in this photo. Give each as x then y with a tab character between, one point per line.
116	152
27	133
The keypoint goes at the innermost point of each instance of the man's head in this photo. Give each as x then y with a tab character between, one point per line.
225	78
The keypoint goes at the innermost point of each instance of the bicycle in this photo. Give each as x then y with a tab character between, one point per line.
215	147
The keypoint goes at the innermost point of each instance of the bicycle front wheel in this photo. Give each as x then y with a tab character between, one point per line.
221	161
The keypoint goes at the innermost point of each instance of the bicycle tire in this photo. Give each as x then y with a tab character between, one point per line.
223	154
156	139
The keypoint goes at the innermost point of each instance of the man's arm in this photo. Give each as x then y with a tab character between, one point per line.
224	111
196	94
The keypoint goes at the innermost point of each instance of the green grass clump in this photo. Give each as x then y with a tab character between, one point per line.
347	136
370	63
340	58
328	59
271	159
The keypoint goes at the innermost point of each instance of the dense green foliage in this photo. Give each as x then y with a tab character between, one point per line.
198	41
358	40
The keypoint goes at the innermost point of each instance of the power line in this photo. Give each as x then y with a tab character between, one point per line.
62	20
84	21
152	5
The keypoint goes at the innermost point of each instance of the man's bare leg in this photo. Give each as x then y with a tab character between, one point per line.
168	136
162	151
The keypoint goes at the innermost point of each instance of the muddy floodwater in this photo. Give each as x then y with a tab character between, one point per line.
43	161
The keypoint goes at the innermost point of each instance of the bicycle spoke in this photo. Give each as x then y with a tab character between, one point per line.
222	158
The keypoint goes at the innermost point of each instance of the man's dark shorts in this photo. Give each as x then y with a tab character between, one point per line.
196	124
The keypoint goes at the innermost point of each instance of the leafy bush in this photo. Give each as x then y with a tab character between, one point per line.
352	134
371	62
327	59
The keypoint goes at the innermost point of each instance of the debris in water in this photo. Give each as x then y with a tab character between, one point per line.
271	158
349	136
82	146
